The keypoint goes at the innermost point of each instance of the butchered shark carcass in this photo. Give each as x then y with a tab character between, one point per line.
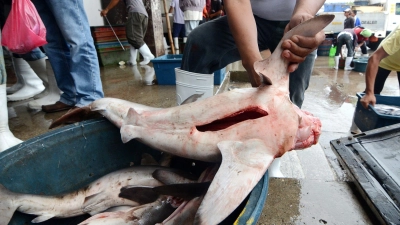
244	128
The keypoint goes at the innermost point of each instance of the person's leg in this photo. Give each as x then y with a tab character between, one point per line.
75	47
380	80
340	43
350	52
300	79
7	138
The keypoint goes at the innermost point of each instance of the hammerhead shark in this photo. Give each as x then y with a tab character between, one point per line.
245	129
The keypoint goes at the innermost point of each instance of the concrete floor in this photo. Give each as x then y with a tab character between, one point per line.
315	189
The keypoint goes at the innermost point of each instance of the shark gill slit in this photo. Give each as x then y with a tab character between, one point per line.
251	113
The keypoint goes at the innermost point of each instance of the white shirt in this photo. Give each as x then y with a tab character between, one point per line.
276	10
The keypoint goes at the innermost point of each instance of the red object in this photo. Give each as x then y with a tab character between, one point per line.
24	30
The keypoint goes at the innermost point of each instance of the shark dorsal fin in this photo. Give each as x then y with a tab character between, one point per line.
274	68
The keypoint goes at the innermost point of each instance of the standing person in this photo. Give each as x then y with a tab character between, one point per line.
178	28
71	53
349	38
135	27
349	21
381	63
248	28
193	13
7	138
357	21
362	38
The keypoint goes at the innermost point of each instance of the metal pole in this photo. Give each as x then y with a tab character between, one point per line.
113	31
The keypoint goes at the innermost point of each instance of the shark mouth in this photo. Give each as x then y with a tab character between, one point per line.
237	117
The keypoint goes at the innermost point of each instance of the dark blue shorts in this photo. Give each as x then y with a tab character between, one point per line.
179	30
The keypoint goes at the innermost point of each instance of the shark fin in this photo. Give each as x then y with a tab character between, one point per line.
139	194
131	117
128	132
42	218
243	165
167	176
7	209
91	202
75	115
274	68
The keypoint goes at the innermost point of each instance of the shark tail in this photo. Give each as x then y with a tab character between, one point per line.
75	115
7	208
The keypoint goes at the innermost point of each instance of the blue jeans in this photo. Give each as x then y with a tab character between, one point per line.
71	51
33	55
211	47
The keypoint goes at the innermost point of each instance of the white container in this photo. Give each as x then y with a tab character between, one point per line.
196	79
184	91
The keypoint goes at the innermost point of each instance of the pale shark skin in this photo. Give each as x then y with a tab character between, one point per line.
275	119
97	197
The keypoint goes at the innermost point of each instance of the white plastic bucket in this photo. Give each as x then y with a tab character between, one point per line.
184	91
197	79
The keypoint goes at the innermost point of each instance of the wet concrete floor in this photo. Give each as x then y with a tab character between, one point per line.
315	189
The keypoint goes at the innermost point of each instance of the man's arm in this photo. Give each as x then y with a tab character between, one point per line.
370	76
297	47
244	31
109	7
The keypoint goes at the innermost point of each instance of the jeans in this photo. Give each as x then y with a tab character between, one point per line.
33	55
348	41
71	50
211	47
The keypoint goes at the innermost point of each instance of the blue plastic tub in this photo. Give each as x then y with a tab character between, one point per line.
73	156
369	119
164	67
360	64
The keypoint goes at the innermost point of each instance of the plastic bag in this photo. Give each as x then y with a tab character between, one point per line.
24	30
332	51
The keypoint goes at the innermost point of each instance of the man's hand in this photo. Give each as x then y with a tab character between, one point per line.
103	12
296	49
368	99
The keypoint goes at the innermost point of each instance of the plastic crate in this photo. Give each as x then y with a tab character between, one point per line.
369	119
164	67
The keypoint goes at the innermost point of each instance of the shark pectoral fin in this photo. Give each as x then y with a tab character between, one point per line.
42	218
73	116
243	165
91	202
139	194
7	206
128	132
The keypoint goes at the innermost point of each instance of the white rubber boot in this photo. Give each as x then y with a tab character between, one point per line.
149	73
7	139
336	62
136	73
20	80
146	53
53	93
274	169
166	46
33	85
176	43
347	63
132	61
39	67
